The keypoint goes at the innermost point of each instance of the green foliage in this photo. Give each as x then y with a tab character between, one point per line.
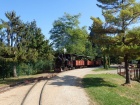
40	66
114	35
43	66
90	51
66	33
77	41
22	43
59	32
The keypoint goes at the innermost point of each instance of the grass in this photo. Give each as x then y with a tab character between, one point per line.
106	89
9	81
102	69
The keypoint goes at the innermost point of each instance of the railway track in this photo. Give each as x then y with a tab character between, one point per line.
34	94
6	88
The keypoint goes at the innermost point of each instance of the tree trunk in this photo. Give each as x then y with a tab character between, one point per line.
14	71
108	61
126	69
104	61
3	74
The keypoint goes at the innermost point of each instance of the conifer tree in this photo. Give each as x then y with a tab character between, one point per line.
119	15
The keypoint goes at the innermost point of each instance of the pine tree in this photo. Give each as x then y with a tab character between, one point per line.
119	15
10	29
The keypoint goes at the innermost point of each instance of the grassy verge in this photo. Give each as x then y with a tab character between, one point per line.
106	89
102	69
9	81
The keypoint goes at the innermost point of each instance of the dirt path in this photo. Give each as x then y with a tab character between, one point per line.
66	89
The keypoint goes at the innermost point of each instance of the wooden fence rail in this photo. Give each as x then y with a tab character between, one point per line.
134	72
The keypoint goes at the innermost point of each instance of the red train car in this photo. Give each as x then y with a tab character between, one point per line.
89	63
65	62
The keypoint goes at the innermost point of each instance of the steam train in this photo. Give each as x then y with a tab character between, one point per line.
64	62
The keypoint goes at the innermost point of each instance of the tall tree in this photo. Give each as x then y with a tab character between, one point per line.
66	33
11	27
21	43
77	40
100	39
59	32
119	15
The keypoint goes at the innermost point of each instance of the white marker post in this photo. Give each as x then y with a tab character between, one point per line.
65	50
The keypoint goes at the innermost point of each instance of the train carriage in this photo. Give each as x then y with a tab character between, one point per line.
64	62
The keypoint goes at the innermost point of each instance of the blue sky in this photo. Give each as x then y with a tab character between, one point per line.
46	11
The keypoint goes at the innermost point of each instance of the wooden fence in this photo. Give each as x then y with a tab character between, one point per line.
134	72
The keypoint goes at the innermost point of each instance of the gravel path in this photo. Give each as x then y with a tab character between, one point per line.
14	96
34	94
64	89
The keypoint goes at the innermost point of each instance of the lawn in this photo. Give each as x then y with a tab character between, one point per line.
102	69
106	89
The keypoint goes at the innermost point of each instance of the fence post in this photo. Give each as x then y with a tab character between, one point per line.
3	70
119	70
139	73
134	73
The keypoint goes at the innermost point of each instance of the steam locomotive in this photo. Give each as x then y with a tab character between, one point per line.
64	62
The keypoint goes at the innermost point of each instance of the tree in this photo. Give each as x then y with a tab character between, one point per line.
66	33
33	47
101	41
59	32
21	43
119	15
90	50
10	33
77	41
132	43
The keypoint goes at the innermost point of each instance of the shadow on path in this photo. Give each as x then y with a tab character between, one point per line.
66	81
